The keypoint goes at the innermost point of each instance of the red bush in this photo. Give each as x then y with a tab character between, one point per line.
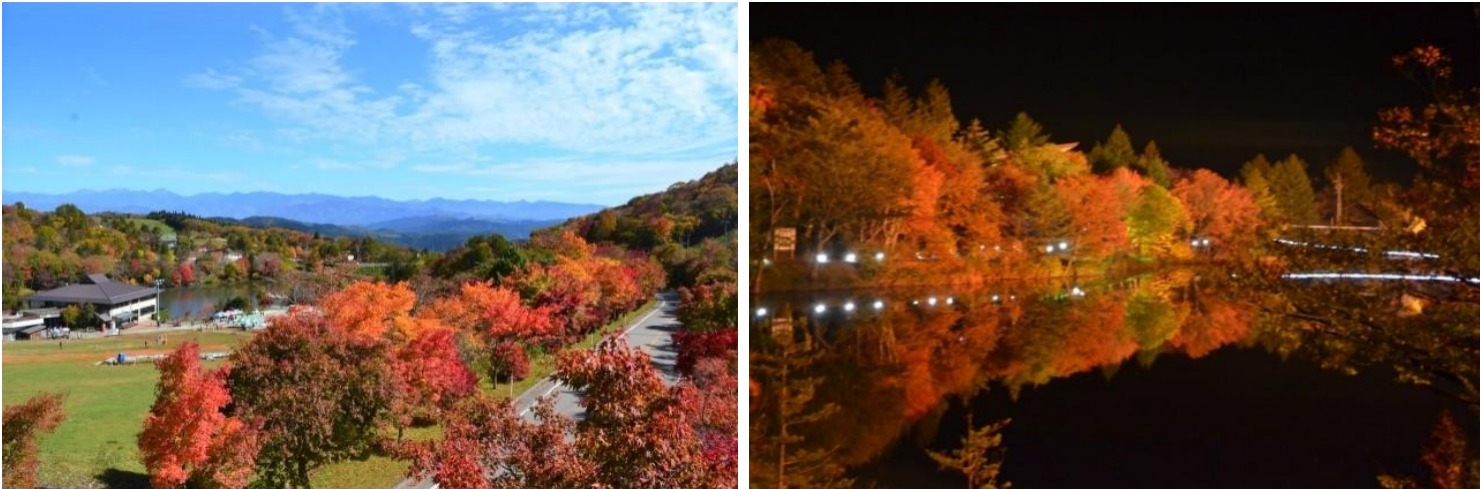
694	346
509	361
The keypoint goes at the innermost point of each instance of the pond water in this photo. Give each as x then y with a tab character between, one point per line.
201	301
1171	380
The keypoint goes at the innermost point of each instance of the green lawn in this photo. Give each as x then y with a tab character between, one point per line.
158	227
105	406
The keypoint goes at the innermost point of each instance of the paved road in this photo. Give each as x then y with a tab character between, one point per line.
652	332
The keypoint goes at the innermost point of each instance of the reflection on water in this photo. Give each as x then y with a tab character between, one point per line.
198	302
1106	382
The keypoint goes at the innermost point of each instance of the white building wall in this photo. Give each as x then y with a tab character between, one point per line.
133	307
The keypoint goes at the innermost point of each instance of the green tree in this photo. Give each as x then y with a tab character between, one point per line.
1289	183
1024	133
1151	164
1255	177
1116	152
1157	220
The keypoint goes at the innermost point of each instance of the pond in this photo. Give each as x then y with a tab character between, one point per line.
1167	380
201	301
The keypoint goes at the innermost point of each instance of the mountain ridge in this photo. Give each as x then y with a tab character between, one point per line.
309	208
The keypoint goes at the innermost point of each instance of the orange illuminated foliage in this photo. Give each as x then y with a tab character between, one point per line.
1220	210
1095	208
1444	454
1211	325
1443	136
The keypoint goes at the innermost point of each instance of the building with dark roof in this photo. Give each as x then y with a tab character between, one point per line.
115	303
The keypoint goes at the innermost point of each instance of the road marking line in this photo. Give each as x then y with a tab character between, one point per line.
537	398
645	318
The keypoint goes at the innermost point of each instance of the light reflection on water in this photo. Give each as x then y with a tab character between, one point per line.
868	380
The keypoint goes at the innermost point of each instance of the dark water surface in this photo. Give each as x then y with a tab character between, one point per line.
1151	382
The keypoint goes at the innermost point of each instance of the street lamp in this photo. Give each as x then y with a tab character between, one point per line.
848	307
819	308
1063	245
850	258
822	258
879	256
760	312
878	305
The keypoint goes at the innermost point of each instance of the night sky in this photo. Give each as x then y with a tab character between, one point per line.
1212	84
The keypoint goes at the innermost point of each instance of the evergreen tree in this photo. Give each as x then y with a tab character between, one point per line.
933	114
1290	184
980	456
1153	166
1255	177
895	102
978	140
1349	183
1116	152
1024	133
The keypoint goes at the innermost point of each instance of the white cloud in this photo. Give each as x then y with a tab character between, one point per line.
576	170
212	80
74	160
325	164
629	79
445	168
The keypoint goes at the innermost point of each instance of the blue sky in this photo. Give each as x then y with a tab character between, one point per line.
591	103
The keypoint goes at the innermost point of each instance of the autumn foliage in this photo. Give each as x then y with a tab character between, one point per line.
430	375
24	424
508	362
695	346
187	437
322	392
368	309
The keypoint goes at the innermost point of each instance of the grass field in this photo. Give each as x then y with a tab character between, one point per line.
158	227
96	446
105	406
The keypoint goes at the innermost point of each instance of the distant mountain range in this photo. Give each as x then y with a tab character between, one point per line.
436	224
309	208
430	232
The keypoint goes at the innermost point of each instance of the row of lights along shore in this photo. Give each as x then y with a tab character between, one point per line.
931	301
878	304
850	257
